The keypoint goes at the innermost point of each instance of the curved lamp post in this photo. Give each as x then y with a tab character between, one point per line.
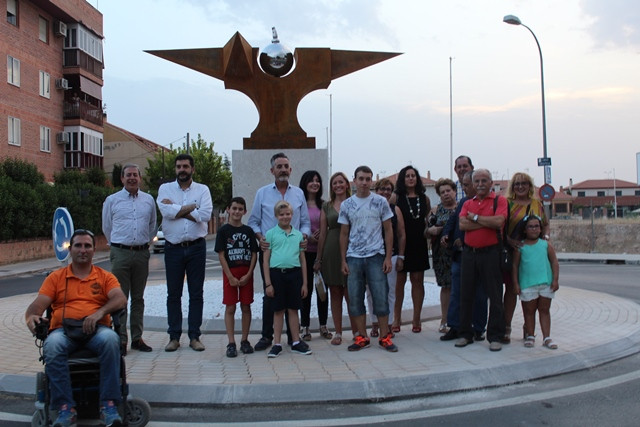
514	20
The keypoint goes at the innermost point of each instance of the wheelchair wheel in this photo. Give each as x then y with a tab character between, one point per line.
138	412
39	419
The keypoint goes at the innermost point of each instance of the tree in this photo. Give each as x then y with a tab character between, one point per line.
211	169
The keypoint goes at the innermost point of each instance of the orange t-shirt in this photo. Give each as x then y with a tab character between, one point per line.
84	297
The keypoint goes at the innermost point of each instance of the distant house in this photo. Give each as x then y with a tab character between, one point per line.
600	196
122	147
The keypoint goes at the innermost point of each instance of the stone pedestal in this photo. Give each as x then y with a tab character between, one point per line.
251	170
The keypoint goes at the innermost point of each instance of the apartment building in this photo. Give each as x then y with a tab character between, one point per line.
51	102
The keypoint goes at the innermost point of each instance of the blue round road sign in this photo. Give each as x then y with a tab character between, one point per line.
547	192
62	230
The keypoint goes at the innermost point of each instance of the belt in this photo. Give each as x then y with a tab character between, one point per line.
482	249
131	248
285	270
187	243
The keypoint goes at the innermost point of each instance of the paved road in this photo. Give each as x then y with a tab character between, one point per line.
603	395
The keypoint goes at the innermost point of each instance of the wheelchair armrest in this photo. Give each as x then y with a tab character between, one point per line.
115	317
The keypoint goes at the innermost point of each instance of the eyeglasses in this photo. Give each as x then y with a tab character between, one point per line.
533	226
521	184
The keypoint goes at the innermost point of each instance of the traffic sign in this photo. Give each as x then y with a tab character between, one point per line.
62	230
544	161
547	192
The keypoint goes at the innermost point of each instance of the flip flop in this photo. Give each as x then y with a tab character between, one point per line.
416	329
337	339
395	328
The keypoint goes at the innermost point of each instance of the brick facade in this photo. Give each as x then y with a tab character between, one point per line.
22	42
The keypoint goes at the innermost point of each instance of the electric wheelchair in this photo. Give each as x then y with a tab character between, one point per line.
84	367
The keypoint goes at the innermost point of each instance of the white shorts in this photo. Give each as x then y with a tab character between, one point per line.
533	292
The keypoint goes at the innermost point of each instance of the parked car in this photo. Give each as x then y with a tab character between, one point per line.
158	241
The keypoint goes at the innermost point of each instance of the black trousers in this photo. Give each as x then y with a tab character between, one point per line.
481	268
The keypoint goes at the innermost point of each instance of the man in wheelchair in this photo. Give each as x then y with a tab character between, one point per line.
87	294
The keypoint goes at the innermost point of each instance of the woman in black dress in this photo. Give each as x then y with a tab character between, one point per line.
414	205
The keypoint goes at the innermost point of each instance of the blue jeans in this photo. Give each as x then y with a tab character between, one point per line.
479	319
363	271
57	347
179	260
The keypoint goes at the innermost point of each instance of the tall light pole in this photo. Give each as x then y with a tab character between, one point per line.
450	121
514	20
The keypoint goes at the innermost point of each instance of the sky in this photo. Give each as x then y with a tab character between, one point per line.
397	112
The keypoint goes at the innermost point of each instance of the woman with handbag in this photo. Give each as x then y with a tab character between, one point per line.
522	202
328	259
311	185
446	189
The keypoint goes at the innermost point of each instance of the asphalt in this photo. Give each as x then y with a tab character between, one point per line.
424	365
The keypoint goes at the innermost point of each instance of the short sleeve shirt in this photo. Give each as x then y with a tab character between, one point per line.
484	236
365	217
237	243
83	296
284	247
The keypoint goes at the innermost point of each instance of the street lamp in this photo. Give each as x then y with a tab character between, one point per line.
514	20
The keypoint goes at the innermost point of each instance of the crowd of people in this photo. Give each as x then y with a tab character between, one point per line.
363	247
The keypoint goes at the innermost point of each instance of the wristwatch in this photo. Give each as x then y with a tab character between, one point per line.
475	218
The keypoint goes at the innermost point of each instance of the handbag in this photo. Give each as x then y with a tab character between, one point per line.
73	327
506	255
321	289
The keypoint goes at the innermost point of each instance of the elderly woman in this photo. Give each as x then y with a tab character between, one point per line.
522	203
446	189
414	206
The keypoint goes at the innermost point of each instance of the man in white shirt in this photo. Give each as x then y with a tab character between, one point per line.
263	219
366	257
129	223
186	209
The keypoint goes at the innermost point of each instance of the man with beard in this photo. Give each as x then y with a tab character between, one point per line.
263	219
129	223
186	210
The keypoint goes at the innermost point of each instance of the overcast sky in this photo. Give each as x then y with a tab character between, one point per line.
397	112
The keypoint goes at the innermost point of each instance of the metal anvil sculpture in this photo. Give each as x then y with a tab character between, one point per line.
276	98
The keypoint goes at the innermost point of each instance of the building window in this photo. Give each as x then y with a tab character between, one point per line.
45	139
581	194
45	84
600	194
12	12
80	38
618	193
637	192
14	131
44	30
13	71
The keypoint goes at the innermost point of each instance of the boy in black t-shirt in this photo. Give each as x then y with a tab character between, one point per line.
237	249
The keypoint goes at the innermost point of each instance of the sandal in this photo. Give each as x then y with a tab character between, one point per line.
506	339
395	328
548	342
306	335
324	332
374	331
416	329
390	333
337	339
443	328
529	341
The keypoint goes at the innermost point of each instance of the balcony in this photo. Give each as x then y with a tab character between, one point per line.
78	58
83	110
